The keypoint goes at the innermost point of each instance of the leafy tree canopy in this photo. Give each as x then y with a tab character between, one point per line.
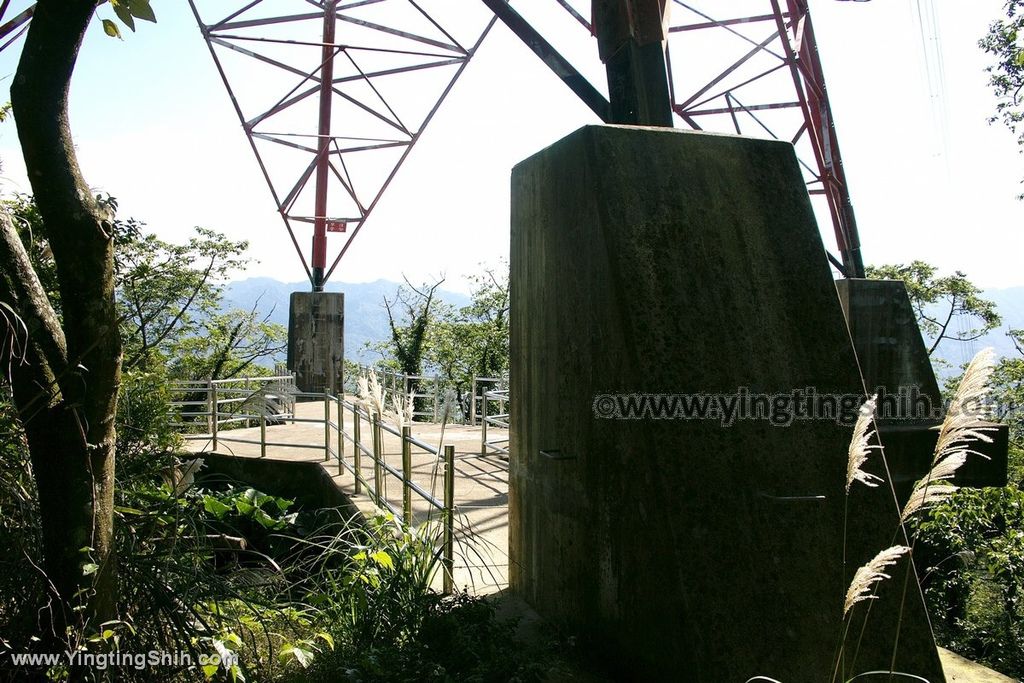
939	301
473	340
456	344
169	298
1005	43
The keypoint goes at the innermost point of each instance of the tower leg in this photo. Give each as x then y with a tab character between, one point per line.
653	263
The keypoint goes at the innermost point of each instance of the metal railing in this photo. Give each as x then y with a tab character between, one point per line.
479	387
381	469
490	443
428	394
212	405
239	405
423	390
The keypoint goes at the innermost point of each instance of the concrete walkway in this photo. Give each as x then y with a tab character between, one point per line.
481	482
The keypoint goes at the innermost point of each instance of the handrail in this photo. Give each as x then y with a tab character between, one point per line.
246	399
501	419
475	397
233	380
406	438
227	404
401	383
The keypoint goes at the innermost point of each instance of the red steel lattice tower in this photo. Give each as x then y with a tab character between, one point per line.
370	74
772	85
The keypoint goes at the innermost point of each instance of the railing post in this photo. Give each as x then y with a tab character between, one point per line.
209	408
406	475
291	395
327	426
341	438
357	455
448	559
483	424
378	471
215	413
263	431
472	405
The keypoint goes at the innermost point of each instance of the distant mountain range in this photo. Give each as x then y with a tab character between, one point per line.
367	321
365	317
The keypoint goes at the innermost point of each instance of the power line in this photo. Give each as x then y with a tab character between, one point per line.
925	14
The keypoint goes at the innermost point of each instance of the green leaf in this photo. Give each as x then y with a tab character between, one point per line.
265	520
215	507
123	12
111	29
210	670
89	568
141	9
383	559
303	657
326	637
223	651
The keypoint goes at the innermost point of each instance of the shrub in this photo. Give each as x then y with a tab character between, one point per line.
971	555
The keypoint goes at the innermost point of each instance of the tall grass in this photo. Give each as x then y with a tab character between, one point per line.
959	432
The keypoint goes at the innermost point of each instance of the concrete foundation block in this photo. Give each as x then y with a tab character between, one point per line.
316	340
895	365
885	335
655	261
910	446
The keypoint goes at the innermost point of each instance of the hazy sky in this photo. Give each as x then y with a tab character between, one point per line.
930	179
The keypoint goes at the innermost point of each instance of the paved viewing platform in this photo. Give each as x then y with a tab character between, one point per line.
481	481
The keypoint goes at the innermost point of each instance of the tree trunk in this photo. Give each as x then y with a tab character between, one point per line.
66	393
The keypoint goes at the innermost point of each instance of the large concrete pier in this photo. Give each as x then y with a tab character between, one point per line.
654	261
316	340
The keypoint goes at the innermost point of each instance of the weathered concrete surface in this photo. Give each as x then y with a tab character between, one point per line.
960	670
910	446
652	260
884	331
303	481
316	340
532	631
895	364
